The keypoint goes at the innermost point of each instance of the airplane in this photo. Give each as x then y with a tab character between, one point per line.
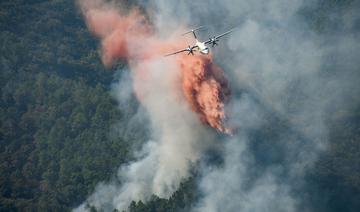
200	46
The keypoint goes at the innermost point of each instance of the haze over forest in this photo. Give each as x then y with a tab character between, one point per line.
82	130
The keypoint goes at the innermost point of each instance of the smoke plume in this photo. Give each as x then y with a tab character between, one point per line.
178	93
288	82
131	37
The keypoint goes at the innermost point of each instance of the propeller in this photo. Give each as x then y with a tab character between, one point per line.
191	50
214	41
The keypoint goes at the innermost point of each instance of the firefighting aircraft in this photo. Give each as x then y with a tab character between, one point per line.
200	46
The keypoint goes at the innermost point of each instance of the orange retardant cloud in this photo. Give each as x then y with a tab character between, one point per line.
132	38
205	88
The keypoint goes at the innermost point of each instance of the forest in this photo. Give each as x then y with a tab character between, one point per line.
58	118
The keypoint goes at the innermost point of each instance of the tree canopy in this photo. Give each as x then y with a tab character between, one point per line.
57	116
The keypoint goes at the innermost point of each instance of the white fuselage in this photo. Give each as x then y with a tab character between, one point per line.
203	49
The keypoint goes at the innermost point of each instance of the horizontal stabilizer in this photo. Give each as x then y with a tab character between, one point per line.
193	30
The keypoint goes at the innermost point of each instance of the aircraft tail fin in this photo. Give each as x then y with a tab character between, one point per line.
193	31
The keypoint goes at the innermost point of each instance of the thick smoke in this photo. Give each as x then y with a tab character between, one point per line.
287	80
179	94
130	36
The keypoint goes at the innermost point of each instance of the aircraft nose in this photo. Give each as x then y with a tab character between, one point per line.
206	51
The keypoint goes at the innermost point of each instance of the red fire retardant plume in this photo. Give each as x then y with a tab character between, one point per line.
132	38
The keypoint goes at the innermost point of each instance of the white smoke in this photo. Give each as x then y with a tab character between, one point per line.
278	68
283	64
179	139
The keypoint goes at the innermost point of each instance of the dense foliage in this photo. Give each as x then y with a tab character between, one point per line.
56	112
57	115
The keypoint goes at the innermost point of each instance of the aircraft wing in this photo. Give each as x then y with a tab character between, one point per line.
218	36
190	50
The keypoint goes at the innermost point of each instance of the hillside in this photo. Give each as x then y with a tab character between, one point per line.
62	132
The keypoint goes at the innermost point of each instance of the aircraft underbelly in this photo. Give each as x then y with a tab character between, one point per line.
204	51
